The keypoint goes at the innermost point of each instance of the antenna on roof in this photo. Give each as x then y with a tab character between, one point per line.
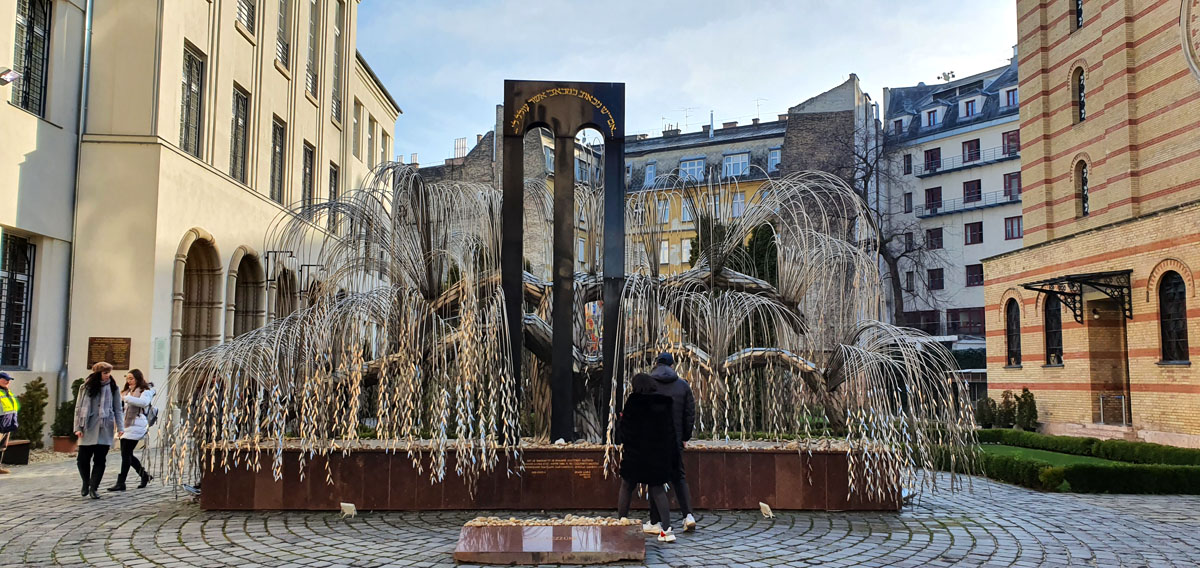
758	108
686	113
947	76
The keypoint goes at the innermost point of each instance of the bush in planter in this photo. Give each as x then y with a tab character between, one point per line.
31	420
64	415
1027	414
1006	411
985	412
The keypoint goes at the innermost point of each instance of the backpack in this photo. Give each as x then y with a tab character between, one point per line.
151	415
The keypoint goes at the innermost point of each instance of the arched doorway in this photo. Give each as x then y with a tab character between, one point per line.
246	288
196	319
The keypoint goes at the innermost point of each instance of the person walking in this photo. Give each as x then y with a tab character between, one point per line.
668	383
648	441
98	414
137	395
9	405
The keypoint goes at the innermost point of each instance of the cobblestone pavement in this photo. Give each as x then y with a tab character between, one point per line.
43	521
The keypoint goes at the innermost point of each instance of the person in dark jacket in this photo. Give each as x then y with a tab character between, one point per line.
648	455
668	383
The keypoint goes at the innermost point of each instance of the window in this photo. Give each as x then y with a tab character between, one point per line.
687	214
972	191
1078	85
1081	188
933	199
548	153
907	164
1172	317
909	246
314	37
933	160
192	101
31	54
965	321
1012	185
1053	330
1013	228
971	150
278	161
335	107
651	173
581	251
910	278
685	250
969	108
692	169
933	238
937	279
384	142
974	275
908	202
664	211
628	171
973	233
17	256
931	118
735	165
334	192
239	138
356	130
739	204
283	45
1012	331
1011	142
306	184
898	126
245	14
1010	98
371	141
664	252
1078	13
773	160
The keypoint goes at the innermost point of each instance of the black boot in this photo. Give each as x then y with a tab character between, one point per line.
84	491
92	493
119	485
146	477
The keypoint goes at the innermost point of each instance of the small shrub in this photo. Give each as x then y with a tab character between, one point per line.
1006	411
31	419
1131	478
1146	453
1027	415
64	415
1052	478
984	415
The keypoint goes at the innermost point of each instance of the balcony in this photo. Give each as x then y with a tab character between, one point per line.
948	206
983	157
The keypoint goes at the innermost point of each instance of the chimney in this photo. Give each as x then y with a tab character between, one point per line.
783	117
705	128
728	124
755	121
478	138
670	132
412	159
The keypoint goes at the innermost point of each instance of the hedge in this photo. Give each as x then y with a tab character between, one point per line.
1026	472
1128	478
1116	450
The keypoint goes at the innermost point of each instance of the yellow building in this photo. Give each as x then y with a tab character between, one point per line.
1098	314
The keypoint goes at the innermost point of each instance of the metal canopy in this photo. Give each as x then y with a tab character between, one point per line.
1069	289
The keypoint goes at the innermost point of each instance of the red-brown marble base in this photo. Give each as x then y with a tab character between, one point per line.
554	479
550	545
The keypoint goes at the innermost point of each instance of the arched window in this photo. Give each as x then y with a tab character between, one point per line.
1052	324
1081	189
1172	317
1012	331
1079	89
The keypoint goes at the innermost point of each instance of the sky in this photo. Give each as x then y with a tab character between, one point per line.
445	61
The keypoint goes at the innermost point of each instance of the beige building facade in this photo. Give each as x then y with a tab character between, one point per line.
205	124
1098	313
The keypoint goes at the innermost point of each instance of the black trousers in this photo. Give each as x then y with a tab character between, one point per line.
679	486
91	464
128	459
659	507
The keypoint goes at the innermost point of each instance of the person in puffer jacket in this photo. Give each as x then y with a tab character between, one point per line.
668	383
137	395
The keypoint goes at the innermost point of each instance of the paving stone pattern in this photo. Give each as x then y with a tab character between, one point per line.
44	522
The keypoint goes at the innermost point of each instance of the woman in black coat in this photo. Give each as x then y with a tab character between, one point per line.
647	432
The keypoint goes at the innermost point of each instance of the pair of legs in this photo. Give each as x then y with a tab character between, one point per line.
678	483
129	460
91	461
658	502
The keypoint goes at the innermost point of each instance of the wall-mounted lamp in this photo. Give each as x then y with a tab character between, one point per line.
9	76
1095	313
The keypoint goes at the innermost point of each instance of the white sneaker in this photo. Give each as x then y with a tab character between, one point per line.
652	528
666	536
689	523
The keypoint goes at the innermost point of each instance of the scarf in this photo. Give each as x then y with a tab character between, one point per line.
131	411
83	409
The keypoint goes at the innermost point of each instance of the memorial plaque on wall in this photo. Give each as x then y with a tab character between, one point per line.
112	350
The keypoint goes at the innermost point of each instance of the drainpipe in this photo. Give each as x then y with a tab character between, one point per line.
64	377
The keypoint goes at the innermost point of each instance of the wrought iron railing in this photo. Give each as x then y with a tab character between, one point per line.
991	199
931	167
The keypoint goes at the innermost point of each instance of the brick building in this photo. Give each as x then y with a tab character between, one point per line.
1098	313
